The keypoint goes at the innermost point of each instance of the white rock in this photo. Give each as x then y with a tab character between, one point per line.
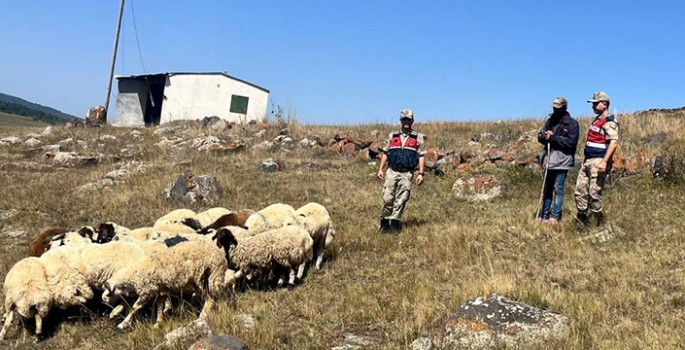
105	138
48	130
33	142
11	140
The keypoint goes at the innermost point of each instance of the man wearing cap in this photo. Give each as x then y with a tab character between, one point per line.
602	140
561	133
404	152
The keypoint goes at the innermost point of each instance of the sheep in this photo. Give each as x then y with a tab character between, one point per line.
26	294
316	220
35	285
188	265
107	231
202	219
41	243
288	247
269	217
174	217
231	219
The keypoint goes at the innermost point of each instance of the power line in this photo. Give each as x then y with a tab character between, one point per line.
135	29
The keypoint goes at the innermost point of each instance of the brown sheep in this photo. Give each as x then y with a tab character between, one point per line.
41	243
233	219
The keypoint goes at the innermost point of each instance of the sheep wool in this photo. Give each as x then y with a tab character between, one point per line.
174	217
315	218
269	217
26	294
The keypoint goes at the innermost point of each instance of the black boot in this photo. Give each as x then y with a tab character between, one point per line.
582	221
385	226
599	219
395	227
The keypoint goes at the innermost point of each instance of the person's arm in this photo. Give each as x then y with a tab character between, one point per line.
569	141
611	132
384	159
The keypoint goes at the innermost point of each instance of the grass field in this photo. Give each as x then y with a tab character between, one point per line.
11	120
626	293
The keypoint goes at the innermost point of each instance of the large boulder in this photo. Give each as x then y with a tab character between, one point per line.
189	188
477	187
96	116
219	342
493	321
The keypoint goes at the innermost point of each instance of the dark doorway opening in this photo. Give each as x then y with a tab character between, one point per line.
155	99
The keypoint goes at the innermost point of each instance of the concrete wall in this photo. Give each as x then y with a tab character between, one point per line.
195	96
131	99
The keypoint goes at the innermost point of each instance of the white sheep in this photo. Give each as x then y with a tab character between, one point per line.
269	217
289	247
189	265
35	285
26	294
205	218
174	217
315	218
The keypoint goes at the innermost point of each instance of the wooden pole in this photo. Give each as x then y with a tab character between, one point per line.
114	58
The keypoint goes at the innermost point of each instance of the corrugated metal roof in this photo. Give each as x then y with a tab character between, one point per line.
143	76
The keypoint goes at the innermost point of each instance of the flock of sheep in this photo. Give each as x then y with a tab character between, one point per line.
200	254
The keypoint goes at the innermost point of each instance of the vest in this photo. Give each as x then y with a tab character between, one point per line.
405	157
596	144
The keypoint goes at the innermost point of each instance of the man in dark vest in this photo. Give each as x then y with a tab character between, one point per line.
560	132
602	140
404	152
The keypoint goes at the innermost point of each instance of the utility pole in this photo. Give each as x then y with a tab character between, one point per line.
114	58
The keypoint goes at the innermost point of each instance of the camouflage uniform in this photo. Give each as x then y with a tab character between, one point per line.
589	185
398	179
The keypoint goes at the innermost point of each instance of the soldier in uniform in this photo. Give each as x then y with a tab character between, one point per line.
403	153
602	140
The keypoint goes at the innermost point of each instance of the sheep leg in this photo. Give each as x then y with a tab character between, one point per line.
9	318
116	311
318	251
291	280
300	270
39	325
136	306
161	302
167	305
207	307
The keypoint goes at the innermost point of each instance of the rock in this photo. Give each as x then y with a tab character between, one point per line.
284	131
136	134
475	138
33	142
422	344
526	160
13	233
66	142
375	133
655	139
354	342
265	146
49	130
96	185
8	214
163	131
96	116
164	142
465	155
260	133
269	166
62	159
106	138
117	174
349	149
33	135
477	188
494	154
75	123
463	169
220	342
11	140
189	188
431	157
218	149
494	321
608	233
198	328
52	148
244	320
285	141
219	126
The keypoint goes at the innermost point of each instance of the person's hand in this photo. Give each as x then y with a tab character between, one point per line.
419	179
380	175
602	167
548	134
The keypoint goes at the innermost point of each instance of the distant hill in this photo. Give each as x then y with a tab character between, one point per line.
16	120
18	106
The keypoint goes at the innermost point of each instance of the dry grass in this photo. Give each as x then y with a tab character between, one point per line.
9	120
623	294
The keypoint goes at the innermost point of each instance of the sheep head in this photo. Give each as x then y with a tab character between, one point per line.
224	238
192	223
88	231
106	232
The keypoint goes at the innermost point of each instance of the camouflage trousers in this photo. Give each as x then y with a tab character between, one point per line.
396	193
589	185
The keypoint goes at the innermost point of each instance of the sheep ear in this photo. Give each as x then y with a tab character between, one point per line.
86	231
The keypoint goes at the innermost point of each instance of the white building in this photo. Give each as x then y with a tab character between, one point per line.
152	99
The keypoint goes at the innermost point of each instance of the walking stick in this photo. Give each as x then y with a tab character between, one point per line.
544	179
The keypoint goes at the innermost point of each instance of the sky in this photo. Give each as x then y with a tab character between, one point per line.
350	62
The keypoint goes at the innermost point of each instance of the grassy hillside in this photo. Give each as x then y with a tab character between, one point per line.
35	106
626	293
11	120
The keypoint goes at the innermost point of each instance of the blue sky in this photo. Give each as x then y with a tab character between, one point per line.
352	62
